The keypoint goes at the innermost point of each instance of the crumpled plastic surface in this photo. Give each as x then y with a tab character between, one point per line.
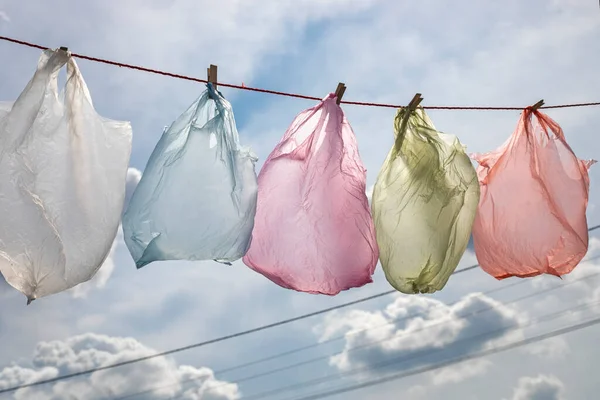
313	229
534	193
197	196
424	203
62	182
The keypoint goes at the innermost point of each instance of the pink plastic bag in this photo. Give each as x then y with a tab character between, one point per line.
313	230
534	194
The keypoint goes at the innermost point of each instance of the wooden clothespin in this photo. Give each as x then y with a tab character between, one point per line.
537	105
339	92
414	103
212	75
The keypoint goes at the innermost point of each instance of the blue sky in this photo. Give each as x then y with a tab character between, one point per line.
454	53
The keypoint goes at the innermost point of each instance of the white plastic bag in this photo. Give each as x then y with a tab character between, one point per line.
197	196
62	182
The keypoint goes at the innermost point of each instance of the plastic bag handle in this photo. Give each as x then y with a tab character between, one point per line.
29	103
75	81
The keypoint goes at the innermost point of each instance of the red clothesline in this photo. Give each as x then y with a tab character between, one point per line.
296	95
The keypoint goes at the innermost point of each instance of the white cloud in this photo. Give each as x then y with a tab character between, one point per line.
541	387
134	176
389	340
86	351
4	16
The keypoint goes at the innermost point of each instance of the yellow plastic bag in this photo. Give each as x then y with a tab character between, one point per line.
424	204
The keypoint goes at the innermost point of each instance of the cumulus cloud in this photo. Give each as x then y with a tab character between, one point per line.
51	359
541	387
134	176
415	331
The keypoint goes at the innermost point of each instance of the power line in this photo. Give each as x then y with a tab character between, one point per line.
222	338
417	355
326	378
296	350
274	92
212	341
484	353
394	321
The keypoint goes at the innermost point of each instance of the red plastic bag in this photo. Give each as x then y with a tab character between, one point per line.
534	193
313	230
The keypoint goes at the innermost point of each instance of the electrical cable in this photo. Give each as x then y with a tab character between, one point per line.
211	341
392	322
221	338
297	350
484	353
394	361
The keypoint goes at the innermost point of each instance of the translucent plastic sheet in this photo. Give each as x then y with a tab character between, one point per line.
424	203
62	179
313	230
197	196
534	194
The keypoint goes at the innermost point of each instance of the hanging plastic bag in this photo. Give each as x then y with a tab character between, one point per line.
424	203
197	196
313	229
531	217
62	182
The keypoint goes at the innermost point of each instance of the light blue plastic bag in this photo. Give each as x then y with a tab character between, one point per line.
197	197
